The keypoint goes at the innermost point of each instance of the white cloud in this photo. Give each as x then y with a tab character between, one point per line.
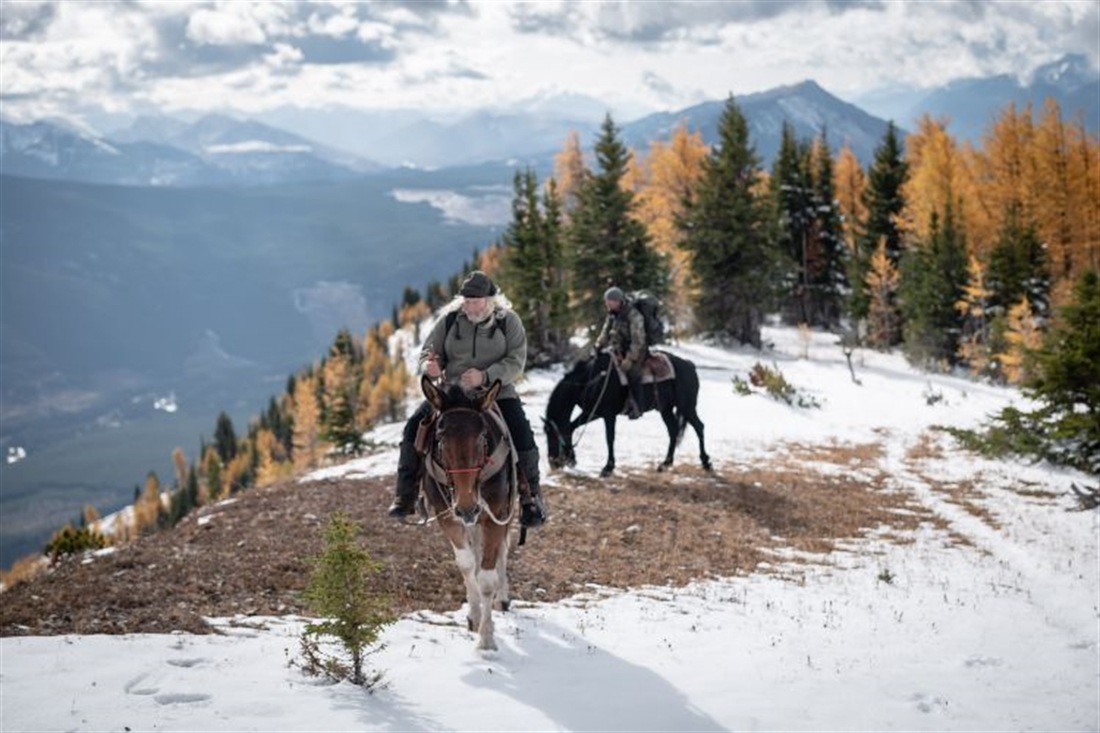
244	57
228	25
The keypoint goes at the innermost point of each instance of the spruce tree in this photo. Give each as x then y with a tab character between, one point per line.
792	196
933	278
531	268
608	245
724	227
1065	377
1019	267
884	202
225	439
339	591
828	276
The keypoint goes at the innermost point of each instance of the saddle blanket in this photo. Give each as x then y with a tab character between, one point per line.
656	368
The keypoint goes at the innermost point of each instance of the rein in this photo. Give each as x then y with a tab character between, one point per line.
595	405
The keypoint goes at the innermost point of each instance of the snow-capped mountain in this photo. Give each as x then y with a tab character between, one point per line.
161	151
48	150
809	108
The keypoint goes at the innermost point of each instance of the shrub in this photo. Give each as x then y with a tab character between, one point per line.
772	381
69	540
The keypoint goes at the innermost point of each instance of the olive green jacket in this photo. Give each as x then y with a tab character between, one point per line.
497	346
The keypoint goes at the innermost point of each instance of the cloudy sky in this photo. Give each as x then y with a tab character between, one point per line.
83	59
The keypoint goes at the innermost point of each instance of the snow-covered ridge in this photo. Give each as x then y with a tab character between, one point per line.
985	620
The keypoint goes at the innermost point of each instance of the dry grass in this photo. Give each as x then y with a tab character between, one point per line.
642	528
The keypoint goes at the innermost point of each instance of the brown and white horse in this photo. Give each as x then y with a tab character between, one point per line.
470	485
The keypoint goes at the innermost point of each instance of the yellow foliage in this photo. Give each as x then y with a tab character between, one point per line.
849	184
1022	335
307	424
569	172
882	282
274	463
670	172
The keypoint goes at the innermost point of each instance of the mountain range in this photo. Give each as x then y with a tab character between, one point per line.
333	145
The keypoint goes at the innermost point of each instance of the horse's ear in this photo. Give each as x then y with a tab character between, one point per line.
486	400
435	397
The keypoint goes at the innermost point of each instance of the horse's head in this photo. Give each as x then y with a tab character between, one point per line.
559	442
557	423
462	442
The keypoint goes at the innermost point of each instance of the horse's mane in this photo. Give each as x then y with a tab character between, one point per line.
570	390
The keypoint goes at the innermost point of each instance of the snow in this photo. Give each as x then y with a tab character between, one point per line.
989	622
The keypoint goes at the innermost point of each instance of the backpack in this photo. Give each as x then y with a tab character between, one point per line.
498	322
649	305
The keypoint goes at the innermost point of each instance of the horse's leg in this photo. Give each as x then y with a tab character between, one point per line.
609	433
697	426
504	592
492	539
672	424
466	560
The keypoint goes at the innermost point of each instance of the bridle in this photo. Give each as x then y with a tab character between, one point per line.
486	466
587	418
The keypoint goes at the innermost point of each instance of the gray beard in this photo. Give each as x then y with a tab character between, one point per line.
480	319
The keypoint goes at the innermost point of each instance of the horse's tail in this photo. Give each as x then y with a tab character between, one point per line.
687	392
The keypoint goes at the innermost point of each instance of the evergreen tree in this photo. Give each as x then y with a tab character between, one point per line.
1018	267
828	256
933	277
341	376
884	202
608	245
724	227
531	268
792	196
225	439
339	592
1065	376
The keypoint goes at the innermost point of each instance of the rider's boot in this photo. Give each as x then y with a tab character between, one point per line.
408	477
533	513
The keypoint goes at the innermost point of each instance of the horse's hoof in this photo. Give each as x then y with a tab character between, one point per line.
661	468
505	605
606	472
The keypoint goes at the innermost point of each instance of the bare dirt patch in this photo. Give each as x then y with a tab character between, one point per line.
252	556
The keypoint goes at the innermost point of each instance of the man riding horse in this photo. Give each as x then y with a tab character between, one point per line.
624	332
477	339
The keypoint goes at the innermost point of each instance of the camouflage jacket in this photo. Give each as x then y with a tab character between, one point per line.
624	333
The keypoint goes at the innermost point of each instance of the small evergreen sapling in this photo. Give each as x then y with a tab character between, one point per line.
339	593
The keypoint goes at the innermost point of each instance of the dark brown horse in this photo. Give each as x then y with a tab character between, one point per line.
470	485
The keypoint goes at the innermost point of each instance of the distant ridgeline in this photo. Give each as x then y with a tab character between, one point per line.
976	258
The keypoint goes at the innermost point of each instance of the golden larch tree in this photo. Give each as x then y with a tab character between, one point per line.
307	423
849	184
973	305
1006	174
882	282
672	170
1022	334
569	172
